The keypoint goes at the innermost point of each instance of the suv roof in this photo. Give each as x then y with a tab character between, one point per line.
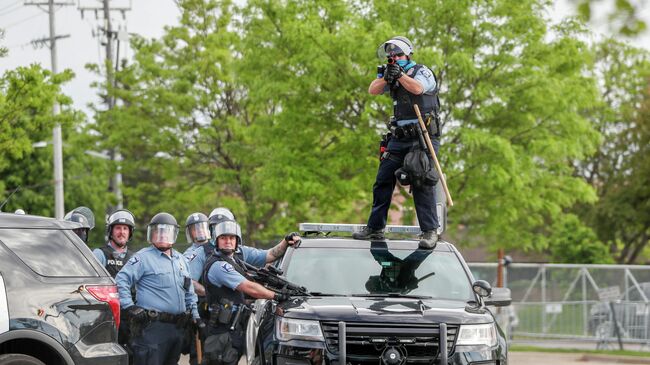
10	220
347	242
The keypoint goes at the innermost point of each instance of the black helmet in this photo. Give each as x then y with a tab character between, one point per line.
226	227
196	228
120	216
76	217
162	228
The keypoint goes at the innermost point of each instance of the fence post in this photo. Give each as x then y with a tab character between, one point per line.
585	317
543	272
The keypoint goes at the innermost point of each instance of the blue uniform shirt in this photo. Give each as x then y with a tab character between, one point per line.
425	77
99	254
159	282
223	274
195	262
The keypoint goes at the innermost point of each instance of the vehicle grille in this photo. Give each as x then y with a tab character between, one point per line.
367	341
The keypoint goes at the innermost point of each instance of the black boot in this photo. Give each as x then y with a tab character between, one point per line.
428	240
369	234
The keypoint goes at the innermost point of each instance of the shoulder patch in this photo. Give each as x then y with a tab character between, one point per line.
226	267
134	260
190	257
426	73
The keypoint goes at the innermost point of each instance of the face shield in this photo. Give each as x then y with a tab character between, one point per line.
392	48
197	232
162	233
227	227
82	233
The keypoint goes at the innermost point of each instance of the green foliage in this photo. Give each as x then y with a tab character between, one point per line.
572	242
619	171
624	18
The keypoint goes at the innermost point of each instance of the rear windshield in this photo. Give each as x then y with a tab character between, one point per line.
379	270
47	252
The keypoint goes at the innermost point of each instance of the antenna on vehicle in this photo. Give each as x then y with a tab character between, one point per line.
9	197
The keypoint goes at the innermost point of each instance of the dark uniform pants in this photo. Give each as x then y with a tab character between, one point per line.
160	344
423	197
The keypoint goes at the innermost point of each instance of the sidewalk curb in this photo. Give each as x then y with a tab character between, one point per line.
614	359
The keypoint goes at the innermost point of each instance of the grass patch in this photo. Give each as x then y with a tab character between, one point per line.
525	348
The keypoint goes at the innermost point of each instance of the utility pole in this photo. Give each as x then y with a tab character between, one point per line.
115	184
57	140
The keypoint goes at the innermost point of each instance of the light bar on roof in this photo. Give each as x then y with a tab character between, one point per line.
336	227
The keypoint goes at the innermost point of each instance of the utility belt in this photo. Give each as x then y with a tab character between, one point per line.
411	131
227	314
180	320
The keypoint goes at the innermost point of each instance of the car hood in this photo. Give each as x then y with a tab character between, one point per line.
391	310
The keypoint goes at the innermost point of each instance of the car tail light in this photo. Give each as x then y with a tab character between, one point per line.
107	294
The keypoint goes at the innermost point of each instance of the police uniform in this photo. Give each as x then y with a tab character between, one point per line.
164	289
112	259
404	113
222	276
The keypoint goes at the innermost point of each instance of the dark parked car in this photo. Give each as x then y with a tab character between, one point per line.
384	302
57	303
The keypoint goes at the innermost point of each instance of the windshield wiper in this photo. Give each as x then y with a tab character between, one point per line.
392	295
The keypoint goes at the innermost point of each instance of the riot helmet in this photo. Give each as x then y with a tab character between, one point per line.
218	215
162	230
395	46
82	231
227	227
120	216
86	212
197	229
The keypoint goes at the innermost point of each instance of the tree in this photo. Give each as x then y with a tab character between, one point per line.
263	107
624	17
618	170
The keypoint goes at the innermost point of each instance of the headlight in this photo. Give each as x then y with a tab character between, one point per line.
477	334
297	329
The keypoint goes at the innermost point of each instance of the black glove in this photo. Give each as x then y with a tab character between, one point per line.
199	326
281	296
392	73
289	239
136	314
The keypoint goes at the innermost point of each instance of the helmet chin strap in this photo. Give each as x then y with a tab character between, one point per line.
227	251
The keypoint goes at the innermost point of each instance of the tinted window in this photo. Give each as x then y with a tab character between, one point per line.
47	252
380	271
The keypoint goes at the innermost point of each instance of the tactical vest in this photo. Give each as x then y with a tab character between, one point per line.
403	100
216	293
114	265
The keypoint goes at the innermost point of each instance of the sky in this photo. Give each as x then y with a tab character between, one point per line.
147	18
23	23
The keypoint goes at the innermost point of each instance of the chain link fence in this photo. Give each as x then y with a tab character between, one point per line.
607	304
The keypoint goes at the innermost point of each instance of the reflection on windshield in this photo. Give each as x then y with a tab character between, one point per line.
380	271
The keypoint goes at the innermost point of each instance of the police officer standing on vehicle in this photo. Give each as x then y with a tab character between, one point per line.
166	302
119	230
408	83
226	286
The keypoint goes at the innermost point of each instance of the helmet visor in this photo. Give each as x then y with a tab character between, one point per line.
230	228
197	232
162	233
392	48
82	233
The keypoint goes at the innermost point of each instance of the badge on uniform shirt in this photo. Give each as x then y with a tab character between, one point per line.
189	259
410	71
134	260
227	267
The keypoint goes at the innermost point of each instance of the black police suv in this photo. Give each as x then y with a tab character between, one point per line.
381	302
58	305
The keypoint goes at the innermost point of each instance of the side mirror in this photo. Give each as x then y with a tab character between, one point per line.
482	288
501	297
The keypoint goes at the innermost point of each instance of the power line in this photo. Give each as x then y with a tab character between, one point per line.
22	21
10	5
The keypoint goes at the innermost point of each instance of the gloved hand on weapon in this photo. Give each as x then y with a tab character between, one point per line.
393	72
281	296
136	314
292	239
199	326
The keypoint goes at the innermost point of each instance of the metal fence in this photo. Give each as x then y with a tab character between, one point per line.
607	304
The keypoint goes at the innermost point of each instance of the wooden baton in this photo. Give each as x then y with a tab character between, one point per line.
425	133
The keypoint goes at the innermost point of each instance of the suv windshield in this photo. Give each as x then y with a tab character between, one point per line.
380	271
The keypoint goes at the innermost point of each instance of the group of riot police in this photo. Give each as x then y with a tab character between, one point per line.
170	301
158	287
